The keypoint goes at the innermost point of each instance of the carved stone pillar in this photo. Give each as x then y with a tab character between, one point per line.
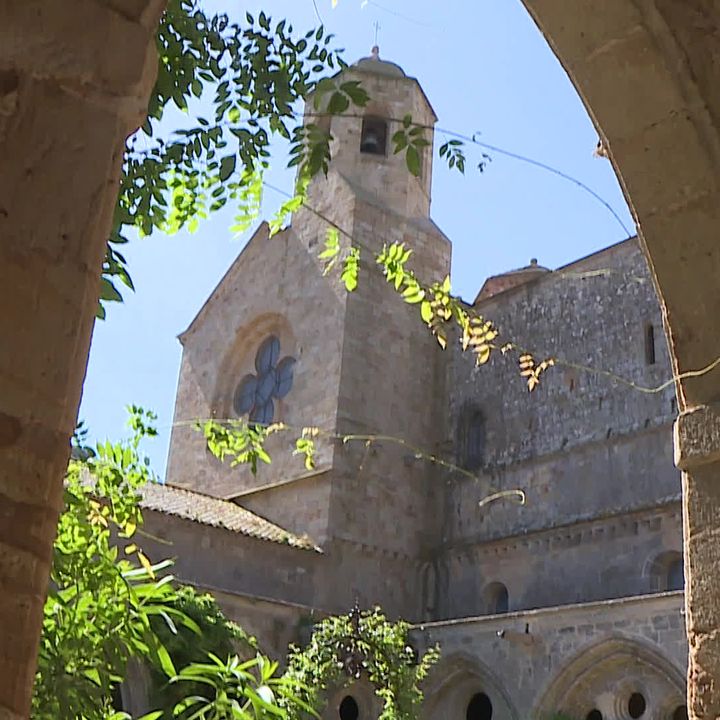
697	454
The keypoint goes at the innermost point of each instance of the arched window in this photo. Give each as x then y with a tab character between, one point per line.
667	572
636	705
496	598
471	438
479	708
373	136
348	709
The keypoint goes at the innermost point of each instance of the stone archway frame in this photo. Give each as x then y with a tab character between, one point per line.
613	667
647	72
454	681
364	693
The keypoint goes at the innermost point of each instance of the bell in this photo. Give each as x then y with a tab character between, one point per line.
370	143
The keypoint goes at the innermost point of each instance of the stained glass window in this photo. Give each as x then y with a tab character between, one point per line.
255	395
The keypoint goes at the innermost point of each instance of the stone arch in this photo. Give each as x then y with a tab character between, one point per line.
454	682
361	691
495	598
647	71
604	677
239	357
661	571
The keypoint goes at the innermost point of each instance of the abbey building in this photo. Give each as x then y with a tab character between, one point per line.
569	602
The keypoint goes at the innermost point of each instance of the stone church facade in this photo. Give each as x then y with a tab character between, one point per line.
569	602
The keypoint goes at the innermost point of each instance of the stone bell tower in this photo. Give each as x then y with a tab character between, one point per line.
382	511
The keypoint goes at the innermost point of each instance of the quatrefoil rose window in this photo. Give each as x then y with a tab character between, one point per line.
255	395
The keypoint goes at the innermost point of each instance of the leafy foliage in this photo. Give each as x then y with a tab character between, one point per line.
241	442
343	648
452	150
100	603
411	138
305	446
437	305
236	689
253	75
107	604
217	635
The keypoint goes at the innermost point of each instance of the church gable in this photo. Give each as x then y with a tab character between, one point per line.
265	347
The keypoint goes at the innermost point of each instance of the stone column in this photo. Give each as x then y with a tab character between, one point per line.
697	454
75	78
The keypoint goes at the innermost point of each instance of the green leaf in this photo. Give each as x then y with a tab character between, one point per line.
412	159
400	140
152	715
339	103
227	167
108	291
351	267
165	661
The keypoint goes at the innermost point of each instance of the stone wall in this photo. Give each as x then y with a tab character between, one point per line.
592	455
607	557
537	663
593	313
230	562
266	291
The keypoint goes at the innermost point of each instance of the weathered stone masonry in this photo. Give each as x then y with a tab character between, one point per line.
524	599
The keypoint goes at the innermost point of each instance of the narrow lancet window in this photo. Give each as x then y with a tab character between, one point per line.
650	344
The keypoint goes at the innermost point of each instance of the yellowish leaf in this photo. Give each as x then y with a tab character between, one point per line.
482	354
465	338
145	563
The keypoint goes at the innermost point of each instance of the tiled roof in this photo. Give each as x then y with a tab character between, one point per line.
217	513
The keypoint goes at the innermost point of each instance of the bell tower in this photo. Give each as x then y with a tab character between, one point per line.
382	513
362	149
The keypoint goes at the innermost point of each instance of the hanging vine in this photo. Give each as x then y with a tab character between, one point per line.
346	647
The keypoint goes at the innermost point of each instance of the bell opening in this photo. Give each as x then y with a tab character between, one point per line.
373	137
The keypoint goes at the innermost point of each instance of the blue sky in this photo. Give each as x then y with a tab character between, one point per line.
485	68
